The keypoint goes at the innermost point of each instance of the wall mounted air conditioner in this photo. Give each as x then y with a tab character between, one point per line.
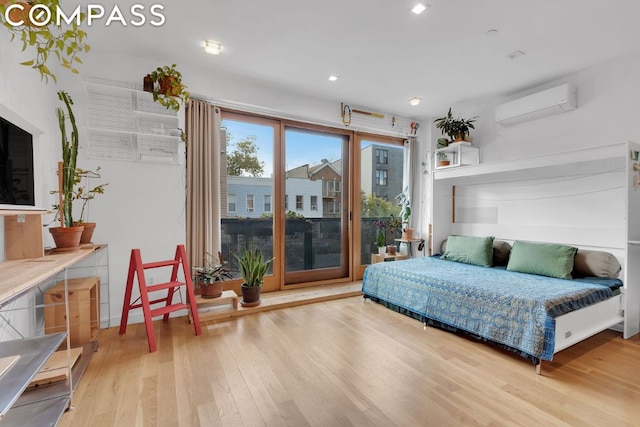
542	104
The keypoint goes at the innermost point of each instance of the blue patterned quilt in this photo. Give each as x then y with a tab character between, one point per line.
514	309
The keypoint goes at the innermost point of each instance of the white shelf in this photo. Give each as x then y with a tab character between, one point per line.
590	160
125	123
459	154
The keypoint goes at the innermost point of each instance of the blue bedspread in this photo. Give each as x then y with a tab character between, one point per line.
514	309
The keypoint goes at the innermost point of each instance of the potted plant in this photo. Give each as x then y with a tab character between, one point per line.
394	225
50	40
456	129
84	192
168	89
211	275
443	160
67	236
252	268
380	236
404	200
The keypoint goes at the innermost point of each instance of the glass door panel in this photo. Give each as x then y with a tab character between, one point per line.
316	243
381	171
247	189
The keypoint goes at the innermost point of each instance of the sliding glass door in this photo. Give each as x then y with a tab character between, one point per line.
316	205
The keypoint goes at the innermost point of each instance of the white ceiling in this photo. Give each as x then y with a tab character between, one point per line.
384	54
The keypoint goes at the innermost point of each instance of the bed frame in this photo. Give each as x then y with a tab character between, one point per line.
587	198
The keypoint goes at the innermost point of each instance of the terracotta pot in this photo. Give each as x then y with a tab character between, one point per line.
212	290
67	238
443	162
166	86
87	233
391	249
407	233
250	295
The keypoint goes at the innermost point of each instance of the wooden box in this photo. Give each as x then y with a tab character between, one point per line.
84	310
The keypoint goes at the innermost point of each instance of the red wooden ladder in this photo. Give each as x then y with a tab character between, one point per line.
136	267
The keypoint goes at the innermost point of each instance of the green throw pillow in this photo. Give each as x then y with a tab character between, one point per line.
544	259
470	250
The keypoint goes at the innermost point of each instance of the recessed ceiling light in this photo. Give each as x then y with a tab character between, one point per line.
415	101
333	78
515	54
214	48
418	8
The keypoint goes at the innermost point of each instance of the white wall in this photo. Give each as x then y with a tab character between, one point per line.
608	97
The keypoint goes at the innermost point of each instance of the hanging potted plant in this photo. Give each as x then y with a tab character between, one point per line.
455	129
210	276
168	89
64	43
253	267
67	236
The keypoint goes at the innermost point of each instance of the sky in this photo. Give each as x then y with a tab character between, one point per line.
301	147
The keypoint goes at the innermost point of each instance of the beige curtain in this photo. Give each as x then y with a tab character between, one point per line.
203	180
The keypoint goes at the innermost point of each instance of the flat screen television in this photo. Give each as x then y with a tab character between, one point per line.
16	166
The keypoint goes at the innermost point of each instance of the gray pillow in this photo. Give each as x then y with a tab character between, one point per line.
595	264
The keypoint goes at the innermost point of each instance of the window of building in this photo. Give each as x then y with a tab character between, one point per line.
314	203
381	177
250	199
267	202
231	202
382	156
286	202
299	203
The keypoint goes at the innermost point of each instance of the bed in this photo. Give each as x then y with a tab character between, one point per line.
531	314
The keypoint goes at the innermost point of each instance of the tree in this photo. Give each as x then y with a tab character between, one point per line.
374	206
243	160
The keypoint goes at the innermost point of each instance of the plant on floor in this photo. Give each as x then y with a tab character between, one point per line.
456	129
253	267
168	89
211	275
66	43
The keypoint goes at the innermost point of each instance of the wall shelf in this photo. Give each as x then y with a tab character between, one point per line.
125	123
589	160
459	154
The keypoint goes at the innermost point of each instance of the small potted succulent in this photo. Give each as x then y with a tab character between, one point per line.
210	276
167	88
455	129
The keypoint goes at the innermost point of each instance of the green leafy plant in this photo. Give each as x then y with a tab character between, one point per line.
394	226
65	43
456	129
69	156
83	191
253	267
75	180
168	89
212	271
404	200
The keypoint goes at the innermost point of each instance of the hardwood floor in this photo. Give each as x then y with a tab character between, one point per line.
348	362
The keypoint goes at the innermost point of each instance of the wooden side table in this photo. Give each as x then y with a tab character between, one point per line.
408	242
375	258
